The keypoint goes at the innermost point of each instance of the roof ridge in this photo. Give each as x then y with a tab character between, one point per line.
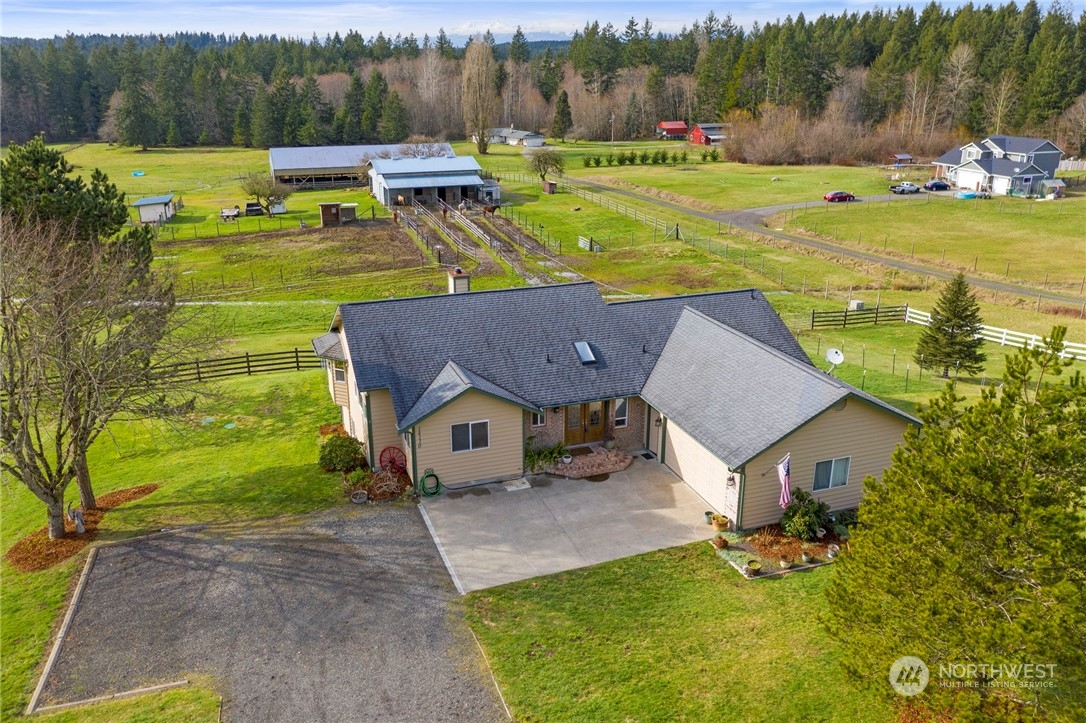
699	295
471	294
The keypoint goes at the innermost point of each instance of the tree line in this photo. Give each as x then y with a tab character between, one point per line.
923	77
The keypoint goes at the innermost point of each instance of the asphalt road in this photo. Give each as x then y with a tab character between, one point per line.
754	219
343	616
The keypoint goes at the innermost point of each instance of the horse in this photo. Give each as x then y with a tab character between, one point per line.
489	210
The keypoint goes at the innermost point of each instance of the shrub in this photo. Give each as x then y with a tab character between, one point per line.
343	454
704	154
596	161
674	156
645	157
610	159
804	516
535	458
714	155
621	158
587	161
657	156
683	157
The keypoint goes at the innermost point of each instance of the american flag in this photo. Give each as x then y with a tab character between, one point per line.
784	471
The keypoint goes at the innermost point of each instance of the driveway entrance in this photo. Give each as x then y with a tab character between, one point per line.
495	534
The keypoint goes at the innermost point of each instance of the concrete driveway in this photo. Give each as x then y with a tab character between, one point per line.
491	535
340	616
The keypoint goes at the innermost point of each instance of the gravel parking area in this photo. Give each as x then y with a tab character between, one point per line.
343	616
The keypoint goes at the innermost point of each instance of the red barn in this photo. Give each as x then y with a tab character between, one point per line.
707	134
671	130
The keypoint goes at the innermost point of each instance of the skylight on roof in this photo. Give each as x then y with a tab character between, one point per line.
584	352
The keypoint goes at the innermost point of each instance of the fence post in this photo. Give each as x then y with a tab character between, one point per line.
812	314
248	366
297	360
198	377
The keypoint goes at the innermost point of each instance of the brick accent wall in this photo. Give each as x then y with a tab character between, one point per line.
632	436
551	433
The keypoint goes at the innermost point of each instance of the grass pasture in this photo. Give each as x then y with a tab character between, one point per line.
1037	243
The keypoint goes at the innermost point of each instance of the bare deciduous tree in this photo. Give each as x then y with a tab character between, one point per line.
88	335
1001	100
266	190
958	81
480	101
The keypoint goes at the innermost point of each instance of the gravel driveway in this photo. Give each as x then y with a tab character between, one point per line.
343	616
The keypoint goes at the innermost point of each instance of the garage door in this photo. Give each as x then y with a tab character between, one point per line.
700	469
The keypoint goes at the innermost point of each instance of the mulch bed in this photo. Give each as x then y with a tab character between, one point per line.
37	552
330	429
771	543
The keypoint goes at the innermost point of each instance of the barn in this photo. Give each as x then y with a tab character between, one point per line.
707	134
335	166
671	130
399	181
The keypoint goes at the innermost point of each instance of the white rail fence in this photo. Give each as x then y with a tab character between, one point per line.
1004	337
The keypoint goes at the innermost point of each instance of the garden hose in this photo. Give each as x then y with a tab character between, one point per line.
422	483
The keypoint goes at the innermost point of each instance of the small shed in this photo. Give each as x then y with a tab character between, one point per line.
335	213
550	187
156	209
707	134
1053	188
901	159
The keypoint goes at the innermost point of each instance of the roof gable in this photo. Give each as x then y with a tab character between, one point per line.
759	394
153	200
450	383
420	166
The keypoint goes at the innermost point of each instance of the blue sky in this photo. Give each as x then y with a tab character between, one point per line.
298	18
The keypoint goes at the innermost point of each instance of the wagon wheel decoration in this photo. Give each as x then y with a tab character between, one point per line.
393	459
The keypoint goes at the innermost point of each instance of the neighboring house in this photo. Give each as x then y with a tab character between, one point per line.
157	209
510	137
1003	165
399	181
334	166
707	134
714	385
671	130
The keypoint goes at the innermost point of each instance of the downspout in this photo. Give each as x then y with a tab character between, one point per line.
742	491
663	440
414	459
369	429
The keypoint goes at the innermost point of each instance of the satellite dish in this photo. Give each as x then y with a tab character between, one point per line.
834	357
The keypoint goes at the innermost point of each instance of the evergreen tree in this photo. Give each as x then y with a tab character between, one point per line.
970	548
951	338
444	46
395	123
262	132
242	125
563	117
136	121
547	75
349	119
518	48
373	103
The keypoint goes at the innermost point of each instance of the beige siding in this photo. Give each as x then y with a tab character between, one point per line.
503	459
701	470
861	431
383	418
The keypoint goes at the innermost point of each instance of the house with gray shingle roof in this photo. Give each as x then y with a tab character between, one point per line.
1002	165
713	386
512	137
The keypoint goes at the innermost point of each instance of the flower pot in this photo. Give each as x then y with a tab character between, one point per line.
719	523
609	444
753	567
566	459
832	551
820	532
785	563
806	557
708	518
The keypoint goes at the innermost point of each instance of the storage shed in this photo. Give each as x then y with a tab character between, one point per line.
156	209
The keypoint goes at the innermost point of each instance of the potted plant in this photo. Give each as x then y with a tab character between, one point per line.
719	542
708	517
752	568
609	443
807	557
785	563
719	522
832	551
567	458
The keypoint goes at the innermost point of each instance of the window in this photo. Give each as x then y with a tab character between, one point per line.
339	370
470	436
831	473
622	415
539	419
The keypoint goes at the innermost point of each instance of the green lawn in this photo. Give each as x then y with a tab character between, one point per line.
263	467
672	635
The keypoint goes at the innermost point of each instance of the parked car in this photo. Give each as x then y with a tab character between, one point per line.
905	187
254	209
836	196
936	186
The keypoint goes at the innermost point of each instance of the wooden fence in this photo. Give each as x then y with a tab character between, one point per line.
1005	337
246	364
857	317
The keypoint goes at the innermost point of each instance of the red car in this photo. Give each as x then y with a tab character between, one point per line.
835	196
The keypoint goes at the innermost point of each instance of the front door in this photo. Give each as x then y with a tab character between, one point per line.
585	423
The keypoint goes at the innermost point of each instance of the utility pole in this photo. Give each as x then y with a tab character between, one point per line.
612	129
